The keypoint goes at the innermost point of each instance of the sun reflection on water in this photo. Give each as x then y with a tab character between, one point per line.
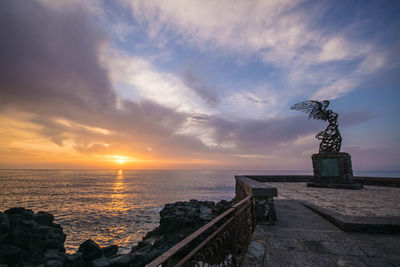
117	206
108	206
118	196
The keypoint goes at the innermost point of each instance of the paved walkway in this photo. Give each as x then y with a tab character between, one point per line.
303	238
377	201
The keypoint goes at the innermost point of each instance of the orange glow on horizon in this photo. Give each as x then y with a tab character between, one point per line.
121	159
24	146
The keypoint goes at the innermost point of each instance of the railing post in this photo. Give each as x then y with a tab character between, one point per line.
264	209
235	239
253	213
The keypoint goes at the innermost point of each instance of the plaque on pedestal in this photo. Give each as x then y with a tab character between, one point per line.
333	170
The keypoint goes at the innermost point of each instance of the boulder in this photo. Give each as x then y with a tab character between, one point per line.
43	218
13	255
54	255
101	262
122	260
55	238
19	213
53	263
4	226
90	250
28	239
177	221
21	233
75	260
110	251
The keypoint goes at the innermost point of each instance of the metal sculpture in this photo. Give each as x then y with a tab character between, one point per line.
331	138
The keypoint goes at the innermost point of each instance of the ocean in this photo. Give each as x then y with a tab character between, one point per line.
116	206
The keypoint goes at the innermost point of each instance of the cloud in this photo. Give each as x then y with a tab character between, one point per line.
374	158
260	136
142	80
208	94
199	22
60	70
371	63
53	59
336	89
289	35
255	103
355	118
249	25
335	49
50	69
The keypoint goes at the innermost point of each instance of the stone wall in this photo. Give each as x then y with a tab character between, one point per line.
263	194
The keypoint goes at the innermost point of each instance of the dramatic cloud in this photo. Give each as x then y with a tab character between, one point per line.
96	80
200	88
50	68
282	33
135	78
51	58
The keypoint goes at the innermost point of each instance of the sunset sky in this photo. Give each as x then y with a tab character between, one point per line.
196	84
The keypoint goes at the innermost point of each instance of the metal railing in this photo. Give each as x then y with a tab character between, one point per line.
221	242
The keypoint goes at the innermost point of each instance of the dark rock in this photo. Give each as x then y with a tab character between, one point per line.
110	251
28	239
101	262
4	226
43	218
75	260
53	263
90	250
177	221
19	213
56	233
122	260
141	259
222	206
52	244
42	230
13	255
54	239
21	233
55	255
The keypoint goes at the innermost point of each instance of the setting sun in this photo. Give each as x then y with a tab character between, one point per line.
121	159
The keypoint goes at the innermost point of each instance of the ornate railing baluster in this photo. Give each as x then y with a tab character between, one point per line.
225	246
224	240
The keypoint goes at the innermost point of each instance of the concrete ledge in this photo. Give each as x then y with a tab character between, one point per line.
263	197
385	225
364	180
256	188
378	181
280	178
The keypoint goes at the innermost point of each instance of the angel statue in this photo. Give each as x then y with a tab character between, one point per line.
331	138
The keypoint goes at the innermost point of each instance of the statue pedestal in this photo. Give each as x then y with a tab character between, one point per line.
333	170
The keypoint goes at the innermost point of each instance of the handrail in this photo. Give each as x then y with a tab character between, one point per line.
193	252
178	247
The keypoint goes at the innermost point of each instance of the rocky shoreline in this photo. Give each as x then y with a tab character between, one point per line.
29	239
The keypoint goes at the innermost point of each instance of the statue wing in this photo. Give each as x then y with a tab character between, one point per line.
313	108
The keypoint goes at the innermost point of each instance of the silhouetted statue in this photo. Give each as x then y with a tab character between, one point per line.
331	138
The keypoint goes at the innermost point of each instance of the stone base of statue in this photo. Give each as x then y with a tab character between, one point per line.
333	170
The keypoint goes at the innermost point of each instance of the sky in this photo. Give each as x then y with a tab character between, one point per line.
196	84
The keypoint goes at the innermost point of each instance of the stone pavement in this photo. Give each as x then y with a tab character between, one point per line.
375	201
303	238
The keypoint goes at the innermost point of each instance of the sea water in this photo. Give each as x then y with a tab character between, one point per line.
114	206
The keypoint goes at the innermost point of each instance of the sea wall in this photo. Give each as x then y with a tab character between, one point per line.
29	239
